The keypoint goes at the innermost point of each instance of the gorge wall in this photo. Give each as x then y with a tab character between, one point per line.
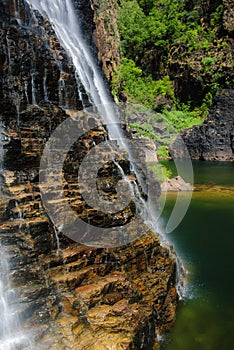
68	296
214	139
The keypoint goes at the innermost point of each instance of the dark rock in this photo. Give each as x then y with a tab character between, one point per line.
214	139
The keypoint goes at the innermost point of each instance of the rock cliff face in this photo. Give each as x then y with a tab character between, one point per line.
68	296
99	21
214	139
106	34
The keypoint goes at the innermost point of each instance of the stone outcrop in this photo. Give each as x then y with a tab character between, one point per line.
176	184
106	34
214	139
68	296
99	21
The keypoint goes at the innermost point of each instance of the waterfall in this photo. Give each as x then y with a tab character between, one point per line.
62	15
34	101
26	91
17	10
45	86
11	337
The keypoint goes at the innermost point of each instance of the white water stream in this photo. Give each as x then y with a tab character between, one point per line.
11	336
62	14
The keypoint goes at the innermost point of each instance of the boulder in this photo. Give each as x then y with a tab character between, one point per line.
176	184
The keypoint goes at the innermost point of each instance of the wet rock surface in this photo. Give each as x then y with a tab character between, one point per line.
76	297
34	67
69	296
214	139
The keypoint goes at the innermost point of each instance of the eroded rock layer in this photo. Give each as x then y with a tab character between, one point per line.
71	296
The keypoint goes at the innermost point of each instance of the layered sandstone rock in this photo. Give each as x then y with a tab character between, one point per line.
71	296
34	67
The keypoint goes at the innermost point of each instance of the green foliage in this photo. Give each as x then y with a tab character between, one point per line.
164	87
162	23
162	152
173	122
182	119
216	18
145	130
161	172
159	28
156	34
206	104
208	61
129	78
132	26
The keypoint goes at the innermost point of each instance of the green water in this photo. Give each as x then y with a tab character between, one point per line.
205	242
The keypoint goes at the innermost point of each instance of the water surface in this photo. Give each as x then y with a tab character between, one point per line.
205	242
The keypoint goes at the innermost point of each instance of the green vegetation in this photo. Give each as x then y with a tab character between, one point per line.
172	121
172	61
130	79
161	172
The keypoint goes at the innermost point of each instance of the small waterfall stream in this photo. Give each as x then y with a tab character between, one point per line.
11	336
63	16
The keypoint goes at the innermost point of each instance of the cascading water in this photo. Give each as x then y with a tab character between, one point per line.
11	336
34	101
63	16
45	85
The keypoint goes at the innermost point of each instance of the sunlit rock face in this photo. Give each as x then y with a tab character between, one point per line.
99	21
214	139
69	296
